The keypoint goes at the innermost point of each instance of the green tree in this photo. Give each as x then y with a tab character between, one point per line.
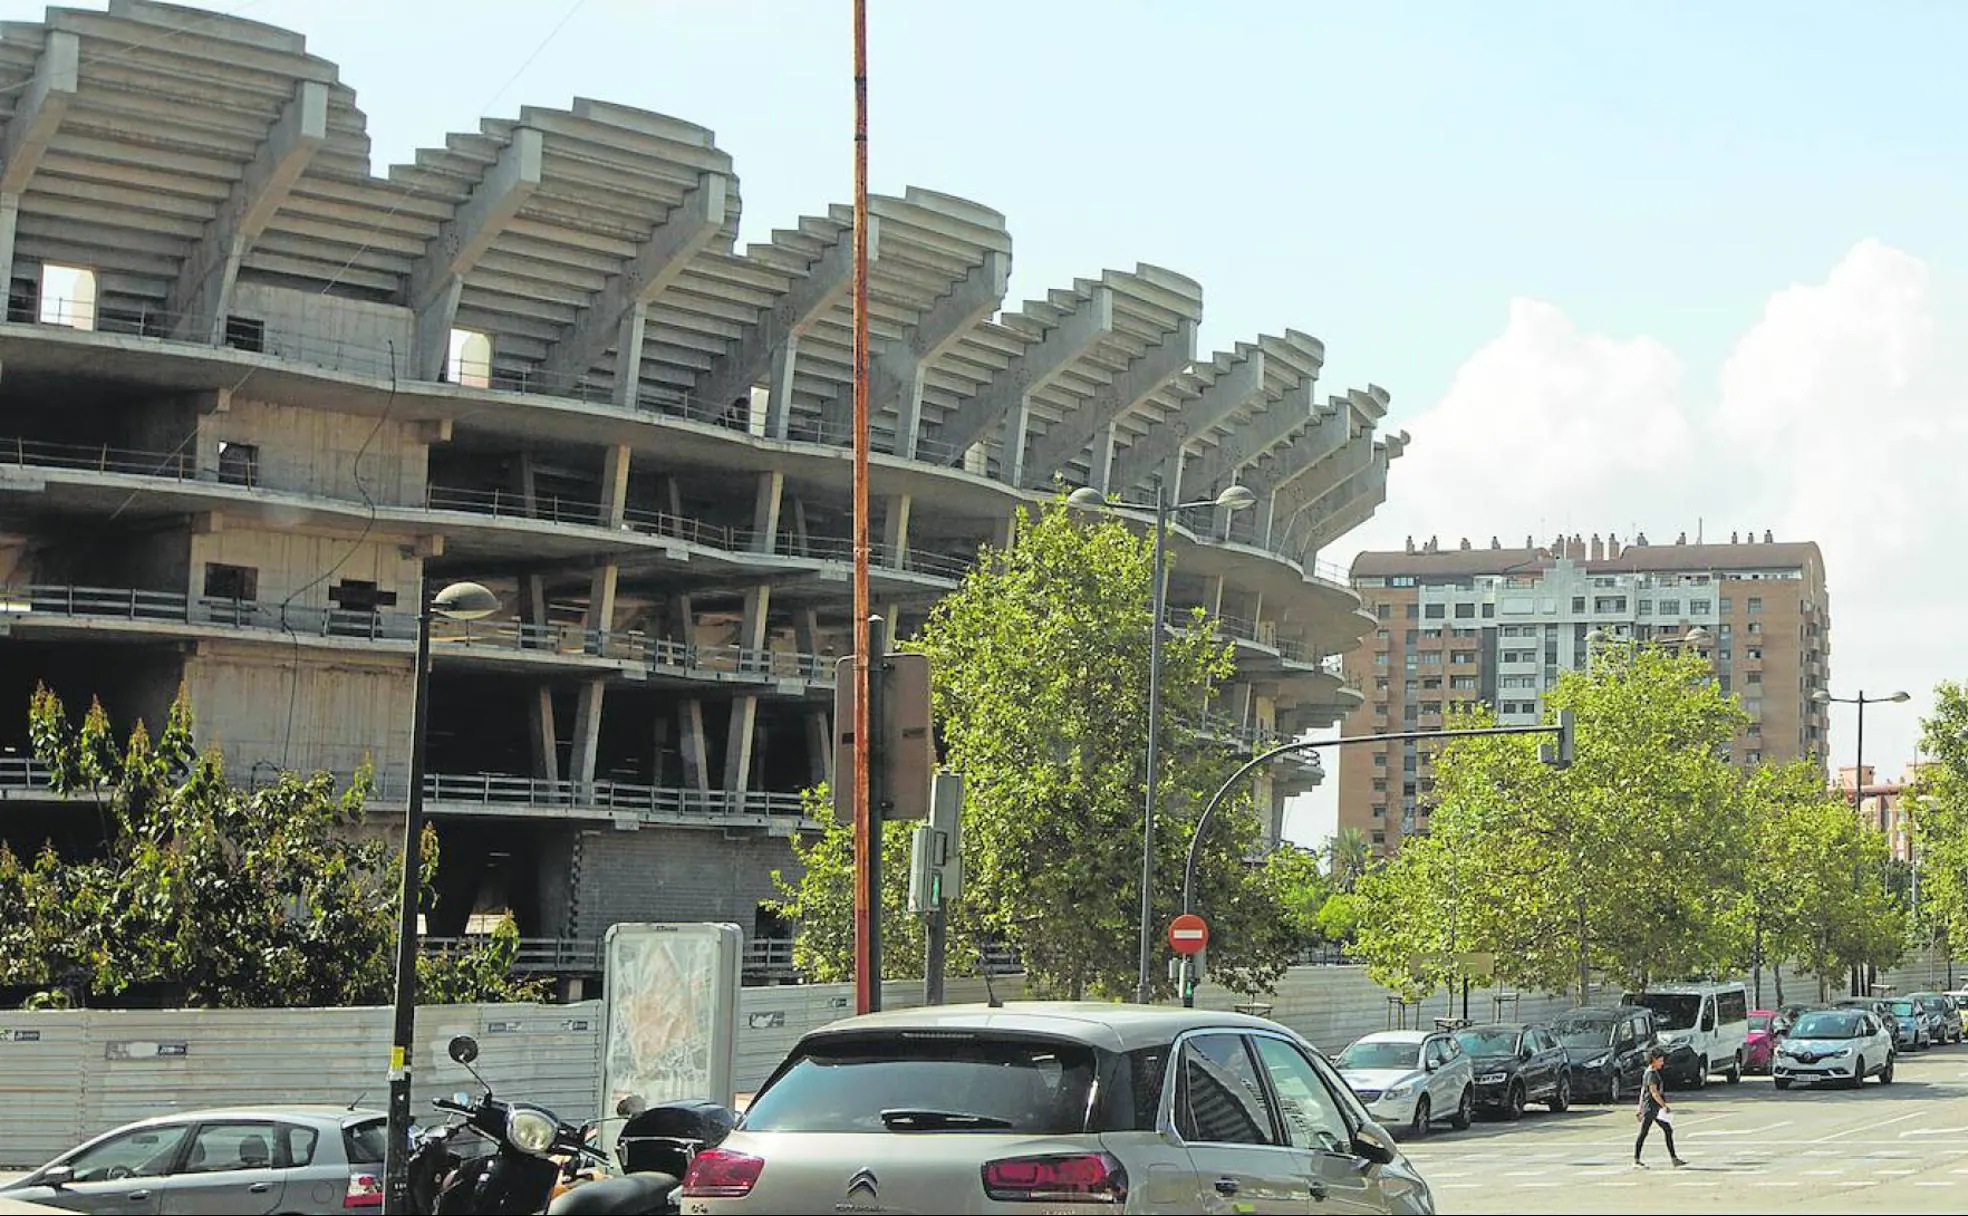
1619	863
1302	890
1348	854
1040	664
235	898
1938	806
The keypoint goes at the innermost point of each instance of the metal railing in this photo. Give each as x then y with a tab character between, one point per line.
503	790
133	604
765	959
633	647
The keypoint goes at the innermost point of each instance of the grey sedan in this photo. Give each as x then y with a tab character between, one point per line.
253	1161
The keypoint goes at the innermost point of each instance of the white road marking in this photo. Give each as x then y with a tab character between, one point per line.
1871	1127
1750	1131
1934	1131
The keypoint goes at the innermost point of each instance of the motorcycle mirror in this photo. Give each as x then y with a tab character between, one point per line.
464	1049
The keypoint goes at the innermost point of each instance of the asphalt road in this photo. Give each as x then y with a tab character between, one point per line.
1883	1148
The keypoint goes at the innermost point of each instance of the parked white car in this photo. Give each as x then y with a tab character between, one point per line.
1411	1078
1843	1045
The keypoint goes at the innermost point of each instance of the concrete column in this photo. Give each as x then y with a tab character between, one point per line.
798	524
1011	461
542	730
908	417
9	225
779	389
600	617
1100	475
1005	532
895	531
1213	594
820	745
628	356
766	502
690	740
740	739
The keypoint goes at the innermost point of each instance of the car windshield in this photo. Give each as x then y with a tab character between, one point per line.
930	1081
1903	1009
1672	1010
1381	1055
1488	1042
1828	1025
1759	1021
1583	1034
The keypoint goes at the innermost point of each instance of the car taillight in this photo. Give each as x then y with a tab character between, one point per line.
364	1191
719	1173
1057	1178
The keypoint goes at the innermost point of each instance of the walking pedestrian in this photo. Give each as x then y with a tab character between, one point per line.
1654	1109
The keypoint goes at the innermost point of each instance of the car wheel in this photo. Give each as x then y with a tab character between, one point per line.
1858	1074
1735	1074
1466	1109
1418	1126
1561	1098
1781	1082
1701	1074
1513	1102
1616	1092
1886	1073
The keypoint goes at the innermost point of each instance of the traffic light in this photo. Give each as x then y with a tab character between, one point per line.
935	855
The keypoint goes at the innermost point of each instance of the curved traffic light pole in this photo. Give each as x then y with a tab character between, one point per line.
1563	759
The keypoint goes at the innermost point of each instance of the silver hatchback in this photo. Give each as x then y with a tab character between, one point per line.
240	1162
1123	1108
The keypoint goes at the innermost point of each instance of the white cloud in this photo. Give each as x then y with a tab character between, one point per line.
1840	416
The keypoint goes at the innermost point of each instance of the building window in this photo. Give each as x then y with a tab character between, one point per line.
469	360
1465	612
1756	603
245	333
68	296
1413	612
1402	580
1381	636
1462	682
1669	607
1380	659
1609	603
1725	605
1380	759
1697	607
223	582
1578	603
1754	677
1756	628
1384	611
239	463
1435	612
1489	611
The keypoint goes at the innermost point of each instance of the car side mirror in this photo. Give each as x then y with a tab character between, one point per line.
57	1176
1525	1053
1432	1066
1372	1143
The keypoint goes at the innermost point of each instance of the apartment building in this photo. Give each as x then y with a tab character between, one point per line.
1498	625
256	402
1883	806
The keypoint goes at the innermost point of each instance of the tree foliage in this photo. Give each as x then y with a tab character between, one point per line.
1938	805
219	895
1040	683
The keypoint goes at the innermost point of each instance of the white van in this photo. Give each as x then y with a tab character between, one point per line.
1703	1026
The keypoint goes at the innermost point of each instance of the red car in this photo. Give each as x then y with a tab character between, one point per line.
1766	1030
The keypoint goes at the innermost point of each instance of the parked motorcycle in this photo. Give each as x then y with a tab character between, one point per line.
539	1163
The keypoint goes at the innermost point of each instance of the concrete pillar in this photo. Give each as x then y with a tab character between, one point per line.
543	733
779	389
1011	461
766	502
690	741
819	724
628	356
895	531
1213	594
540	730
740	739
600	619
1005	532
1100	475
9	225
908	418
798	524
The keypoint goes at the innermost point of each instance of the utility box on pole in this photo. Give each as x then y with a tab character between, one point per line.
903	738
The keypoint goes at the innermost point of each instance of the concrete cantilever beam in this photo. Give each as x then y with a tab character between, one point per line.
827	280
1285	419
1081	321
438	279
613	318
32	128
1238	379
897	372
203	293
1355	503
1142	378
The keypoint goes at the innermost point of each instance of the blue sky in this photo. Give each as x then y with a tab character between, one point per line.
1615	261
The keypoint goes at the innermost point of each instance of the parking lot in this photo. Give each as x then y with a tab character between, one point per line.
1894	1148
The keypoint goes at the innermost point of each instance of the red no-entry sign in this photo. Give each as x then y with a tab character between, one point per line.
1188	933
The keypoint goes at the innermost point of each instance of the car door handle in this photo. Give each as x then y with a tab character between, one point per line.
260	1188
1226	1186
136	1196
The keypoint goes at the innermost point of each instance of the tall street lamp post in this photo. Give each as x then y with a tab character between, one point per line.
457	602
1824	697
1235	498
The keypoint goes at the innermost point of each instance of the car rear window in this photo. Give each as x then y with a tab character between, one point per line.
364	1142
1029	1086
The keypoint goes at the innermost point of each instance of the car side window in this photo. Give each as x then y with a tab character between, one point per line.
1219	1098
296	1145
223	1147
1310	1114
146	1152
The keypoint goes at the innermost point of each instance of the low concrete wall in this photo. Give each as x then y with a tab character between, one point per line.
66	1075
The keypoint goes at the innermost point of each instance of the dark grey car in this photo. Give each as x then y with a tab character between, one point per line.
252	1161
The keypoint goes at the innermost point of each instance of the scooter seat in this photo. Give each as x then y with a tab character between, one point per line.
623	1196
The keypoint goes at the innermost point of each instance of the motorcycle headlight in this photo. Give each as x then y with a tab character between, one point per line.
530	1131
